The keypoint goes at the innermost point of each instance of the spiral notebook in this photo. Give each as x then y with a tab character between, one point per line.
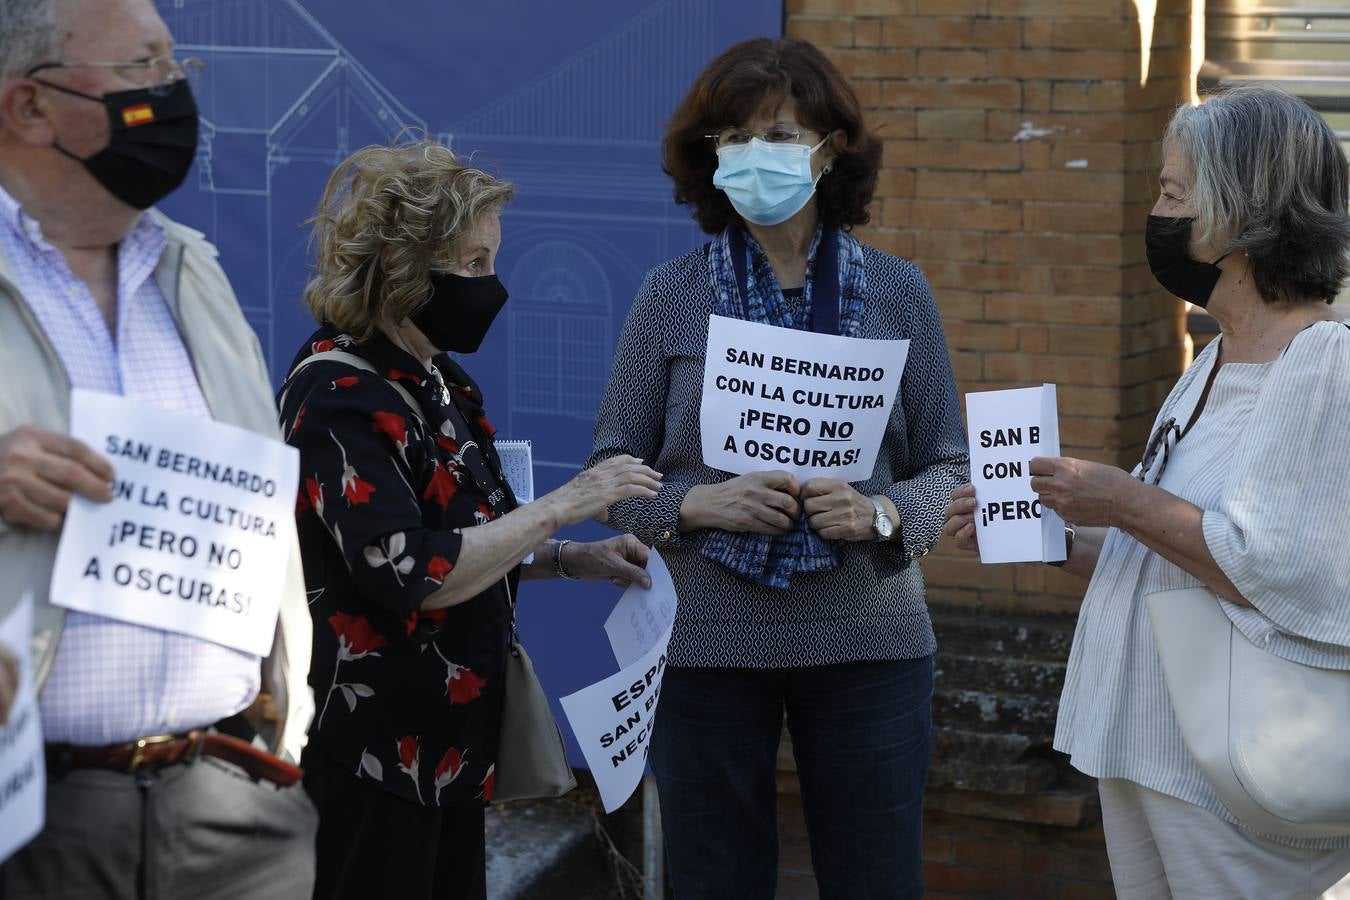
518	466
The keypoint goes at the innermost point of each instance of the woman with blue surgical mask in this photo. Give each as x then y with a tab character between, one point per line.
800	600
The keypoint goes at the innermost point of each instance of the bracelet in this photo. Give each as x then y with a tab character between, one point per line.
1068	548
557	561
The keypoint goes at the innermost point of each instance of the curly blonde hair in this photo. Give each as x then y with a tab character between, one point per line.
388	218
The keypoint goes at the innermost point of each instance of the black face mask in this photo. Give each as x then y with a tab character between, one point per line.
1167	239
460	311
153	142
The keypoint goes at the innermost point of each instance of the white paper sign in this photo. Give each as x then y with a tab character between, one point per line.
517	458
642	615
811	404
23	770
1008	428
613	719
198	536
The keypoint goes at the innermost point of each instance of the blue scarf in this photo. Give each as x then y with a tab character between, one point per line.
772	560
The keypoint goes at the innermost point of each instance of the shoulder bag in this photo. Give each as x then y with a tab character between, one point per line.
1271	736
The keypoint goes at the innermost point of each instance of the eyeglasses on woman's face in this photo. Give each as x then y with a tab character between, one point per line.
735	136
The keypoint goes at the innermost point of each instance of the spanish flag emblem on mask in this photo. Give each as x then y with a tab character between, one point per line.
141	114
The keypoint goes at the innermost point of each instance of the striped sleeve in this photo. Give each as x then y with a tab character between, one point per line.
1279	533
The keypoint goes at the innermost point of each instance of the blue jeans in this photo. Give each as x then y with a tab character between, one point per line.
860	734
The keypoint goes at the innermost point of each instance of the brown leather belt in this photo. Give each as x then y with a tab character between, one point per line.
166	749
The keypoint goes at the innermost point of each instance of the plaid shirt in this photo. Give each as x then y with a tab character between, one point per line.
112	682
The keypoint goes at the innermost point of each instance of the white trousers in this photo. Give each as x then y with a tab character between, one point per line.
1161	847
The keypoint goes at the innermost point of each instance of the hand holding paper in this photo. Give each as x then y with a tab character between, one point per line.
40	470
613	718
1082	492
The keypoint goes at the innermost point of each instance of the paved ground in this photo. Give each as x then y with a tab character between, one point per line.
549	850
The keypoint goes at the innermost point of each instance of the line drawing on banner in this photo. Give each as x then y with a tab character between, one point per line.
568	102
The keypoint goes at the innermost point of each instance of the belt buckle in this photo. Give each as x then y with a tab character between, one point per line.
138	749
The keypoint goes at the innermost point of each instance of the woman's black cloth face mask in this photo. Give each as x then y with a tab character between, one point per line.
1167	239
460	311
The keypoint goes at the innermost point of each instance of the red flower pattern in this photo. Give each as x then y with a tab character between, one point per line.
295	426
448	769
409	755
442	485
356	637
399	375
435	616
484	424
346	381
461	684
487	783
392	426
322	346
354	488
314	490
438	567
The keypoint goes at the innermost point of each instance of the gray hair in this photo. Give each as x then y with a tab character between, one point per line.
1269	178
27	35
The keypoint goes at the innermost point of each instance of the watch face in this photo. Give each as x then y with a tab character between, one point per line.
882	525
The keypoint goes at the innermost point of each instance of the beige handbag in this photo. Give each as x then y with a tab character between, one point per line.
1272	737
531	755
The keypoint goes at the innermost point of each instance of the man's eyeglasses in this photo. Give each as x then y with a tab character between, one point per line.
1162	441
732	136
157	75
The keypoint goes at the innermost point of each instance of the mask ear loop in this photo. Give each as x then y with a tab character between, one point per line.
829	166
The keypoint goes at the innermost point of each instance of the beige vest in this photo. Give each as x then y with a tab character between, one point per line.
233	377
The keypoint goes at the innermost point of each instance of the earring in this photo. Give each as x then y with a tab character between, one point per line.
828	168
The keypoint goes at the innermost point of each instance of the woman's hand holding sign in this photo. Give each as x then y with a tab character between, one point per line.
758	503
40	470
960	515
1082	492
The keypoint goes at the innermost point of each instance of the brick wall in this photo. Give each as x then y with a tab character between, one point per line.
1021	154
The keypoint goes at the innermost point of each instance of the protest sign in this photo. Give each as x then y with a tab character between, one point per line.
198	535
1008	428
811	404
23	770
642	616
613	718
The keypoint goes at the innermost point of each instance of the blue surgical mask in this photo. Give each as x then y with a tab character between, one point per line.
766	183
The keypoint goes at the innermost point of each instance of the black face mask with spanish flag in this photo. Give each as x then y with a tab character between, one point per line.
153	140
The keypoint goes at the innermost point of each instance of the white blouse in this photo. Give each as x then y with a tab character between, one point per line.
1265	461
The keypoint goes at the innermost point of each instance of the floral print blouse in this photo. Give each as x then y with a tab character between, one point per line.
407	699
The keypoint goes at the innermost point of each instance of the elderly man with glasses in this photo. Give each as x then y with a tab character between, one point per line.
158	785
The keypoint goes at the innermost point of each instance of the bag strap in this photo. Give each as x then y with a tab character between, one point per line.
355	362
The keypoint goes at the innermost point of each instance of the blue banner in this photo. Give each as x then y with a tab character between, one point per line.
566	100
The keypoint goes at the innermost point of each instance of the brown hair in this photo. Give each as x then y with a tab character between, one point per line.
388	218
742	81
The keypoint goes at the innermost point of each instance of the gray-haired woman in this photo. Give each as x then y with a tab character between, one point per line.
1239	491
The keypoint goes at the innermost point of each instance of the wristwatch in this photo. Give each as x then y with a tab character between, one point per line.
882	526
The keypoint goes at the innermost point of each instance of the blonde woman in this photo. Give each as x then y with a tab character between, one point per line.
409	533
